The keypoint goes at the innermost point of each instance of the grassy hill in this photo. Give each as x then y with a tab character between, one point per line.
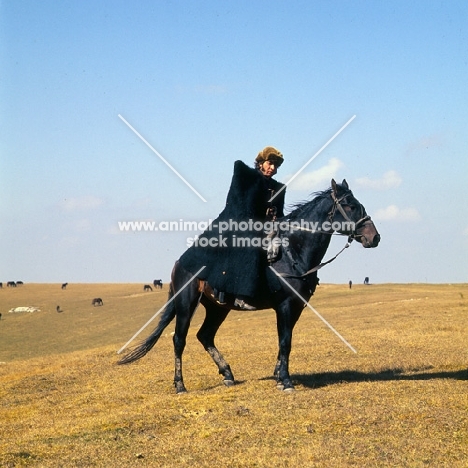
400	401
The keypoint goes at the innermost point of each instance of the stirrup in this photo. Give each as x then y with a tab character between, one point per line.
218	296
220	299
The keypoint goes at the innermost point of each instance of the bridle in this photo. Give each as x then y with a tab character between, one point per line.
365	219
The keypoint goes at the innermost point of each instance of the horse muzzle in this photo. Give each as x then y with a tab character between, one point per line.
374	242
367	235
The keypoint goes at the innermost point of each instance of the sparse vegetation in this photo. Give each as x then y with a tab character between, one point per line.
401	401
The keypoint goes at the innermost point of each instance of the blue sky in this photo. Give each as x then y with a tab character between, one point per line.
207	83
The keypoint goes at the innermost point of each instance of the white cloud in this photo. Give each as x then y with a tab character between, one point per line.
313	180
393	213
390	179
81	203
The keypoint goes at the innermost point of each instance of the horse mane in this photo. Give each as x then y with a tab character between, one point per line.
315	199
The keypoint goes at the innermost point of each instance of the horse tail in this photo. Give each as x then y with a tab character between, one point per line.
145	346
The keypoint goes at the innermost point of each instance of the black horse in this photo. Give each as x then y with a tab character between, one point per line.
157	283
97	301
335	210
147	287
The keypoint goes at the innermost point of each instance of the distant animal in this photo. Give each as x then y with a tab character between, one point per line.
158	283
58	309
64	285
19	283
11	284
1	285
350	284
147	287
297	269
0	316
97	301
366	280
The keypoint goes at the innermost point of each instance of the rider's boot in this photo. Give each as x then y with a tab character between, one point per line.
243	305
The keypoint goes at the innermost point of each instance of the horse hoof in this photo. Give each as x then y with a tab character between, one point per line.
180	388
229	383
287	389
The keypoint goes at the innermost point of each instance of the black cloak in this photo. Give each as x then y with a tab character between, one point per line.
234	259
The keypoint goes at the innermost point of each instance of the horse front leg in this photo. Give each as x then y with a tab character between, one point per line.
215	316
283	378
286	318
276	371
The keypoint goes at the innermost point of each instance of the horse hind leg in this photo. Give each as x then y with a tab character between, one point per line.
215	316
185	305
180	340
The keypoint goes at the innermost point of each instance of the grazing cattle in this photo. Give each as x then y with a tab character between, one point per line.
366	280
64	285
350	284
58	309
11	284
97	301
147	287
157	283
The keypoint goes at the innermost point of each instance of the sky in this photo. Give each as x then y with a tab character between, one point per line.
105	104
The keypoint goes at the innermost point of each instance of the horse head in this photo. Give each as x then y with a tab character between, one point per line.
348	216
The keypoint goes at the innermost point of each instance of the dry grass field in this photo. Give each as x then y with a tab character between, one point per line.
401	401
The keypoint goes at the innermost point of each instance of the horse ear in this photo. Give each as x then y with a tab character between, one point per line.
345	184
333	185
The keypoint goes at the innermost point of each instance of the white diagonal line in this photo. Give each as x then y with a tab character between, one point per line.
313	310
159	311
312	158
161	157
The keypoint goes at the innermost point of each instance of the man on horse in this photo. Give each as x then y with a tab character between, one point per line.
233	250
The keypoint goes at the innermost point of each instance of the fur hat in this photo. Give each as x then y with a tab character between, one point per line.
269	153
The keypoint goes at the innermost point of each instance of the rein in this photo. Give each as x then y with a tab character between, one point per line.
315	268
336	205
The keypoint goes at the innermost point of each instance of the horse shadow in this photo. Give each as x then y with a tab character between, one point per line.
324	379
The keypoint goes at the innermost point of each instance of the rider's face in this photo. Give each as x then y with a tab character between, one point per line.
269	168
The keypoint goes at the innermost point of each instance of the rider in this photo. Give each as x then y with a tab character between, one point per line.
234	268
